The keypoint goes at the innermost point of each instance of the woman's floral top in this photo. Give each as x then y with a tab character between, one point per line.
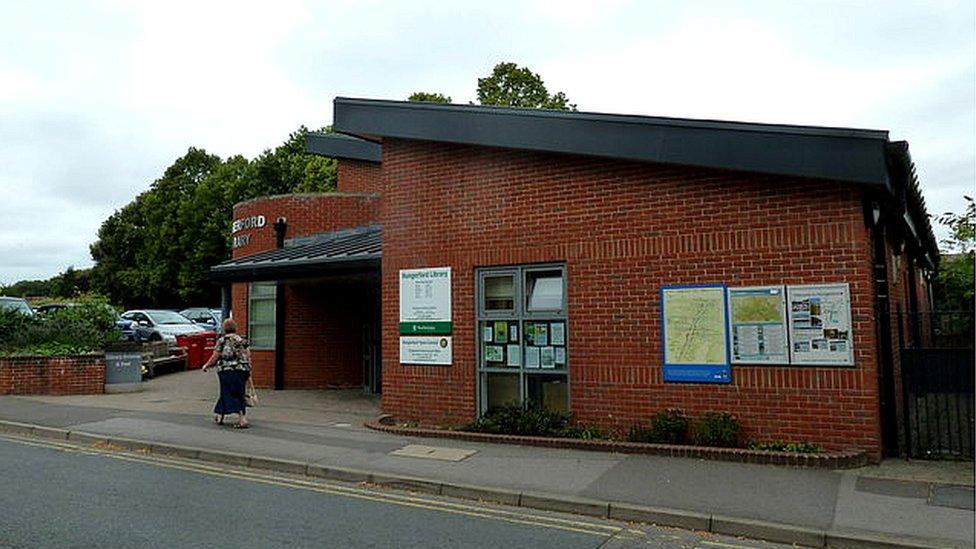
232	356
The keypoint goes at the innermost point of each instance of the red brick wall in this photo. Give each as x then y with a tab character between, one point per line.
624	229
357	176
70	375
323	337
307	214
306	311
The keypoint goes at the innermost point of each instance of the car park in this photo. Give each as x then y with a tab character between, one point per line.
16	304
204	317
160	325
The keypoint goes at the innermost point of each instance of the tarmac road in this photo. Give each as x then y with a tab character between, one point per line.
59	495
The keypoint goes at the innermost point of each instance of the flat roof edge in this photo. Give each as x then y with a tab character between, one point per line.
342	146
702	123
856	156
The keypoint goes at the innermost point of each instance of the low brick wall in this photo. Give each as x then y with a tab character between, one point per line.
848	459
42	375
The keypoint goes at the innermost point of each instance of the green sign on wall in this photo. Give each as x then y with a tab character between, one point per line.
425	328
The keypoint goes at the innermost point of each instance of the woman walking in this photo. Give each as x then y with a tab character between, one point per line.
233	362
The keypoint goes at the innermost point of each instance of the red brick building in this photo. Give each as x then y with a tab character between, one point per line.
564	243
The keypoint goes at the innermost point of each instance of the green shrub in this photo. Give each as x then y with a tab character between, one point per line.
75	330
588	432
666	427
516	419
779	446
717	429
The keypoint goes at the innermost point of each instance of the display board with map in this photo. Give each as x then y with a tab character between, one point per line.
757	324
820	325
694	334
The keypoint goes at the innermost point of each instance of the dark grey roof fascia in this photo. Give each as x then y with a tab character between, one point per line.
341	146
244	273
343	251
909	201
853	155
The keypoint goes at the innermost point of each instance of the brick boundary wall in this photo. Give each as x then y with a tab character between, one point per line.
63	375
624	229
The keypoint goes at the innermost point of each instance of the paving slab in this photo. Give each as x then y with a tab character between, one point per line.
763	492
433	452
958	497
904	516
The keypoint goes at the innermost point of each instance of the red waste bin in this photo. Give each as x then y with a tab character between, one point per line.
198	346
209	342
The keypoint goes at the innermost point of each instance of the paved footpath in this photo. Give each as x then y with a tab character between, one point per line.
321	432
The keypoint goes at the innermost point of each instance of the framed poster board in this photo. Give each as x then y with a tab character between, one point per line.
425	301
694	334
758	325
820	324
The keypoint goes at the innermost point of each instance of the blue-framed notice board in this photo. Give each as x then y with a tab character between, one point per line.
694	334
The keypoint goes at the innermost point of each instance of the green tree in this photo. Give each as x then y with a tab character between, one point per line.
156	250
429	97
953	287
512	86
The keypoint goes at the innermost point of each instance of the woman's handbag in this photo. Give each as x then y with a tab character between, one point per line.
250	394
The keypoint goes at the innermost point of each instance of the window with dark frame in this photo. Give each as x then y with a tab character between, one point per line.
522	336
261	315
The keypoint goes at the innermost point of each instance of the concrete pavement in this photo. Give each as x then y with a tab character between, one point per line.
320	430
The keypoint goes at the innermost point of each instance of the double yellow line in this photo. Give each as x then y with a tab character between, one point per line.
522	516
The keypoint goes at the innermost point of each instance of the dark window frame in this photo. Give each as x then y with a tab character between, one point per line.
519	315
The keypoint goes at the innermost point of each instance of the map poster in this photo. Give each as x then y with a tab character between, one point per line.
757	325
820	324
694	334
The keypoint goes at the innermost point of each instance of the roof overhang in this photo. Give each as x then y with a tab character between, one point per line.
342	252
335	145
857	156
852	155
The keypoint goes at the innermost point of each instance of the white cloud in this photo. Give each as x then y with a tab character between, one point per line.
97	98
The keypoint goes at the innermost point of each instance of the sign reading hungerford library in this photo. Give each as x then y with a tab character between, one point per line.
425	301
425	316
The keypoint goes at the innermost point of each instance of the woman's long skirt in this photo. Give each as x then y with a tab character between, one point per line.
233	384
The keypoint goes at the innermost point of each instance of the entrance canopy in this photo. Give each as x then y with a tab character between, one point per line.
340	252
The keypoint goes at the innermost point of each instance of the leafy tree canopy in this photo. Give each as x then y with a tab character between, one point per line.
954	284
512	86
429	97
156	250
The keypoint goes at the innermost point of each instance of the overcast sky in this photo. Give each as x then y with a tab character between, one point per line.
97	98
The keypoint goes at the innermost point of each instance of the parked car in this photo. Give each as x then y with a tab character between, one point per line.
52	308
127	327
160	325
207	318
16	304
